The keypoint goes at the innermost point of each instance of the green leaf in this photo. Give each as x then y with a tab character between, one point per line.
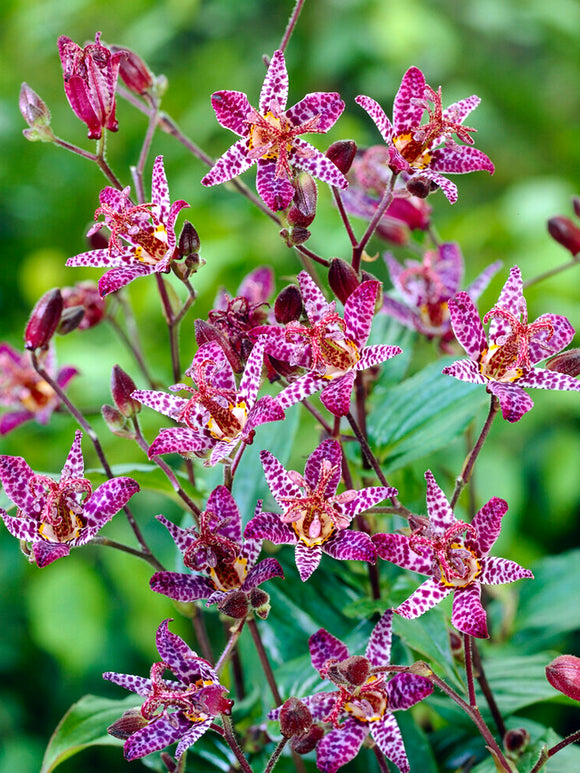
421	415
85	724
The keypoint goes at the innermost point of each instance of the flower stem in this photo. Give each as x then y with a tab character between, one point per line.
233	744
547	753
486	689
275	755
467	639
382	207
127	549
343	215
264	660
229	648
463	478
552	272
172	327
99	160
382	763
291	24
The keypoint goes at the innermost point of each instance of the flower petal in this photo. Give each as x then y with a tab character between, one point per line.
277	478
390	741
323	646
180	440
359	310
46	552
459	159
307	559
265	570
230	164
222	504
121	276
183	538
269	526
511	298
340	746
74	466
348	545
138	684
16	475
440	513
275	192
378	115
328	105
376	354
468	614
541	378
156	735
275	86
21	527
336	395
231	110
306	157
467	325
330	451
378	649
395	548
513	400
300	389
465	370
367	497
104	503
487	524
497	571
427	595
167	404
181	587
315	303
252	375
405	690
408	107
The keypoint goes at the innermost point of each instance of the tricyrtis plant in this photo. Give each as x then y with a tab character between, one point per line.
224	433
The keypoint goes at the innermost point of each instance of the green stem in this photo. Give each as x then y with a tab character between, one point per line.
552	272
267	668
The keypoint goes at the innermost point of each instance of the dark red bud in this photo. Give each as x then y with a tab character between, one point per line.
565	232
516	741
235	604
188	244
295	718
44	320
342	154
303	208
295	235
122	386
355	670
205	331
420	186
98	240
288	305
302	744
124	727
456	645
342	278
133	71
71	318
260	602
567	362
563	673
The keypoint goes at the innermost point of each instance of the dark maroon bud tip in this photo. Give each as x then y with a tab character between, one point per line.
516	741
456	645
288	305
44	320
71	318
131	721
133	71
188	244
356	670
576	205
302	744
342	154
113	418
303	208
260	602
122	386
563	673
235	604
565	232
420	186
342	278
295	718
567	362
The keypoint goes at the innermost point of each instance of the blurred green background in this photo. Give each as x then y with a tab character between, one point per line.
62	626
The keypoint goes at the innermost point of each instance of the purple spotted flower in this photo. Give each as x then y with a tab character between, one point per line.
456	557
314	517
180	708
215	550
414	148
218	416
506	363
425	288
270	136
142	237
330	347
55	516
24	391
364	701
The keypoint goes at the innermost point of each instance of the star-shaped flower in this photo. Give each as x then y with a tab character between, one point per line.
507	363
142	237
218	416
365	701
330	347
22	389
270	136
55	516
425	288
456	557
314	517
181	708
215	550
414	147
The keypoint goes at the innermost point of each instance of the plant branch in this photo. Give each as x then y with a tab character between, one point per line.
552	272
291	24
486	689
234	745
382	207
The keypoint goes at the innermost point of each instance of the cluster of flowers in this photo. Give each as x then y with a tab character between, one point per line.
315	348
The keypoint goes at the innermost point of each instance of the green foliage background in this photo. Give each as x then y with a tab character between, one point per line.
63	626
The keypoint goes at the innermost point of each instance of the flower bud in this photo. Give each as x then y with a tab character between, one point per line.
36	114
420	186
296	235
188	244
515	742
122	386
205	331
84	295
133	71
302	744
44	320
288	305
260	602
303	208
235	604
70	320
342	278
356	669
576	205
131	721
565	232
295	718
563	673
114	420
456	646
567	362
342	154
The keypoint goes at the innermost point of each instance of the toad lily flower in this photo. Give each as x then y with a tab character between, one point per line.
55	516
22	389
364	701
178	709
426	287
270	136
507	363
215	550
456	564
142	238
314	517
332	348
218	416
414	147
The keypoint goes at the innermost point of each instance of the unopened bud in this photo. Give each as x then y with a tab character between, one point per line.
44	320
188	244
122	386
563	673
295	718
288	305
235	604
295	235
456	645
420	186
36	114
516	741
567	362
205	332
133	71
302	744
356	669
576	205
342	154
303	209
565	232
420	668
124	727
260	602
71	318
114	420
342	278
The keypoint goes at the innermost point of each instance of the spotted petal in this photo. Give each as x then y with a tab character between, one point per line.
315	303
269	526
265	570
367	497
21	527
104	503
487	525
513	400
541	378
337	394
390	741
275	86
74	466
468	614
427	595
307	559
497	571
545	345
460	159
378	649
340	746
159	734
408	107
306	157
276	192
120	276
405	690
180	440
182	587
230	164
378	115
167	404
330	451
395	548
46	552
359	310
467	325
231	110
16	475
224	507
511	298
440	513
323	646
349	545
